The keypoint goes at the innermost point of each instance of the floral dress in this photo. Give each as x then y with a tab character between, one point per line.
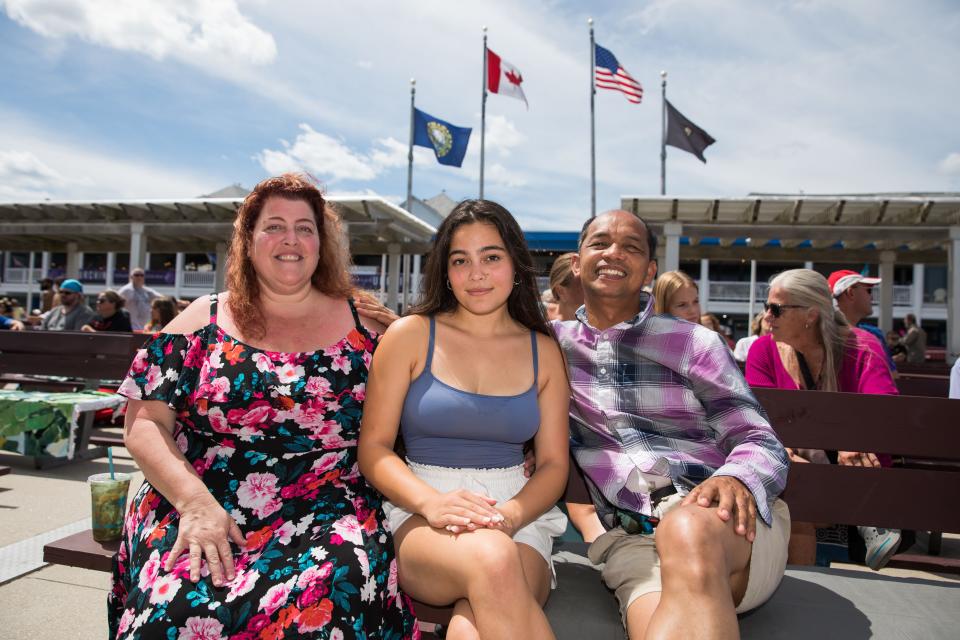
274	438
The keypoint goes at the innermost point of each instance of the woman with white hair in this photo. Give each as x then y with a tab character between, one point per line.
811	346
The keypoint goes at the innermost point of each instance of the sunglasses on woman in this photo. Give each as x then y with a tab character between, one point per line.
776	309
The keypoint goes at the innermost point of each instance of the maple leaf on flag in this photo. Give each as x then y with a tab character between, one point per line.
514	78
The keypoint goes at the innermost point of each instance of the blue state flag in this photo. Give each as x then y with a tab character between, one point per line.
448	142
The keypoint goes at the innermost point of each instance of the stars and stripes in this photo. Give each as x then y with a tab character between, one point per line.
608	74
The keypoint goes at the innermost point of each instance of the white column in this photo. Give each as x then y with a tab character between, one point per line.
178	274
406	281
383	276
31	283
917	291
704	284
886	289
953	295
671	232
808	265
753	293
138	247
111	267
221	274
393	275
73	260
146	261
415	287
45	265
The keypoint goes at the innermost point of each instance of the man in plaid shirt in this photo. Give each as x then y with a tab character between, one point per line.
678	455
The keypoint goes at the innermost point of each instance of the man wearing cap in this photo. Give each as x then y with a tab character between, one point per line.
72	313
852	295
138	297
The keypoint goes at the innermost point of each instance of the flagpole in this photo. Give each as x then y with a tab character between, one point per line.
483	111
413	93
663	134
593	144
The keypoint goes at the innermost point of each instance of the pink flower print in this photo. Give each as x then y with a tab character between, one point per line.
312	593
333	350
317	386
326	462
363	560
182	442
153	379
264	364
367	358
275	598
218	421
258	492
198	628
359	392
333	406
241	584
165	587
252	418
219	388
314	574
349	529
289	373
336	634
194	353
309	413
341	363
139	364
392	580
130	389
125	621
214	358
284	533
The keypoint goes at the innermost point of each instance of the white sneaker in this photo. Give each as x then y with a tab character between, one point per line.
881	545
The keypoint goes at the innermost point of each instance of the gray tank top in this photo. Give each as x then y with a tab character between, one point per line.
449	427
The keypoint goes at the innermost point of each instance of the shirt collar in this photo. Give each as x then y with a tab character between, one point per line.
646	310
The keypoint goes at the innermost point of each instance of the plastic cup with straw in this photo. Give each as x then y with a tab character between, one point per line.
108	493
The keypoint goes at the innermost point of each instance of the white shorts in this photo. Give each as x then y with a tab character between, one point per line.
501	484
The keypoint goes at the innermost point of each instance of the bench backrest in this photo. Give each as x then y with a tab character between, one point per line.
914	427
102	356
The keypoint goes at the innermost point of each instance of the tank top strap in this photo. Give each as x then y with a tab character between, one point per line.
536	360
213	308
356	316
433	331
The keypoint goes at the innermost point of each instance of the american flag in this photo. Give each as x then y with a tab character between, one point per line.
610	75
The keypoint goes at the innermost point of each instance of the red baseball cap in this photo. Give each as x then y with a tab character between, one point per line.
840	281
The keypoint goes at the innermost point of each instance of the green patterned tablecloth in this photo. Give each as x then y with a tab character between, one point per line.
38	423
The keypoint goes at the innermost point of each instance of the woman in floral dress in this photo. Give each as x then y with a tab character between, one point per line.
254	521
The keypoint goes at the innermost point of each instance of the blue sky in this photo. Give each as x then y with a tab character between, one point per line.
145	99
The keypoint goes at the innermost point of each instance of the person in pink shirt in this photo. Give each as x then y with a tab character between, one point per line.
811	346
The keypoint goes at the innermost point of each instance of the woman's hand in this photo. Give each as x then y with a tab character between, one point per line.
204	529
794	456
88	329
370	307
460	510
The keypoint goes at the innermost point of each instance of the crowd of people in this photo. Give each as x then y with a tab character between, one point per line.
313	463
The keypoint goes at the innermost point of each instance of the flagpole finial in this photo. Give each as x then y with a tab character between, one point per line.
663	74
590	21
413	82
484	29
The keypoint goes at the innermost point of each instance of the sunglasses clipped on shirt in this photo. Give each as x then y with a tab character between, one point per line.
777	309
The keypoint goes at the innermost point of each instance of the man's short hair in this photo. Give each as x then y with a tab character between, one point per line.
651	236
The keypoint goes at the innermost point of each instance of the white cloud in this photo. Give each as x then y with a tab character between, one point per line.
57	167
951	164
24	176
325	156
502	135
364	64
192	31
499	175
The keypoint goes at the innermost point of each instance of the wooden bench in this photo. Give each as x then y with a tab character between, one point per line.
810	601
80	360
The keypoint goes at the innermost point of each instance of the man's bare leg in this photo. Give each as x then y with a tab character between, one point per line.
704	568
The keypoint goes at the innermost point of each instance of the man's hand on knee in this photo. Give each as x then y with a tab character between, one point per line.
733	500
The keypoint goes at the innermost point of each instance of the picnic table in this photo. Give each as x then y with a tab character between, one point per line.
52	427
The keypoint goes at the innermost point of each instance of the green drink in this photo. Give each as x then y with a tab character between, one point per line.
109	502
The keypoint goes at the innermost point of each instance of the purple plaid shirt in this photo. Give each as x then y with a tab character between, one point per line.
666	397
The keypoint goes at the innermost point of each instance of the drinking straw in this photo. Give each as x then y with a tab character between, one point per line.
110	461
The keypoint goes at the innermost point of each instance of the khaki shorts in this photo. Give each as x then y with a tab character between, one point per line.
632	567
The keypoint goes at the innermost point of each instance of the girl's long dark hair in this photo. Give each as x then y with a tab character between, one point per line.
523	305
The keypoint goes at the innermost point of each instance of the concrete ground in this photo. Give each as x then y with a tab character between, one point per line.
53	602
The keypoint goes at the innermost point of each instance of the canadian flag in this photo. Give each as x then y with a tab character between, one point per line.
504	78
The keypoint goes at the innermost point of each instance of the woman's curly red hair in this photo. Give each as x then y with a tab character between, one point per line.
332	275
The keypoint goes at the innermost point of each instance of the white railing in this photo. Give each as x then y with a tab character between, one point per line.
727	291
21	275
199	279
